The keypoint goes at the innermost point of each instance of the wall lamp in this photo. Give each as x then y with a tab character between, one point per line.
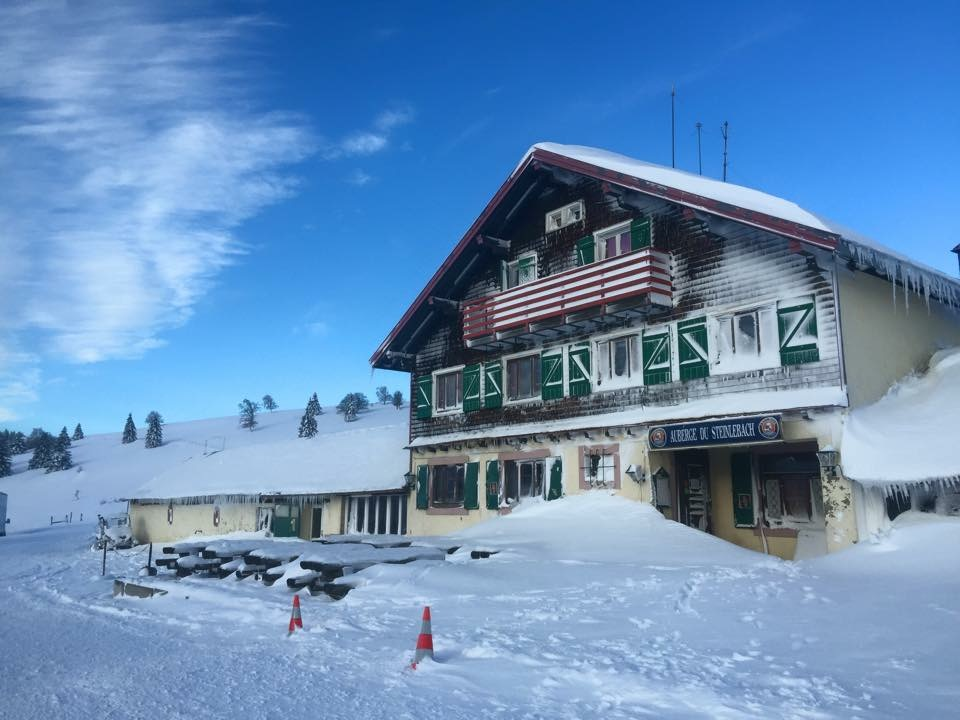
410	480
636	473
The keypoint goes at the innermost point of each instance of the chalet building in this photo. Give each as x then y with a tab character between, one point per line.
610	324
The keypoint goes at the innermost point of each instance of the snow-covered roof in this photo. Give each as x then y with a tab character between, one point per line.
741	403
910	435
367	454
737	195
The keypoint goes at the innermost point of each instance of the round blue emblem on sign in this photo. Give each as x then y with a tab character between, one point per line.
769	428
658	437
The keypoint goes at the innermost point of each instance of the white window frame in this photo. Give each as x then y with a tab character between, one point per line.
724	357
634	375
567	216
538	465
600	237
538	397
515	263
388	516
437	410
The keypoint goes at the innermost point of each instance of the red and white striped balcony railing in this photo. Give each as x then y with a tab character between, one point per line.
634	275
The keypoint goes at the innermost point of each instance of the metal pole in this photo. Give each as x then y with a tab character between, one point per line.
103	568
724	129
699	154
673	127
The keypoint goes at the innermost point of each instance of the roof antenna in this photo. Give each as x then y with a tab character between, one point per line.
673	128
699	154
725	131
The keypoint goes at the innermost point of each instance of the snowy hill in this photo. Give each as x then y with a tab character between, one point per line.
106	471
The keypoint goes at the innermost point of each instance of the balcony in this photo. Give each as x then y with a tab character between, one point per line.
572	301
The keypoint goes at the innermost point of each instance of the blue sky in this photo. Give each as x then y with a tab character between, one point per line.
206	202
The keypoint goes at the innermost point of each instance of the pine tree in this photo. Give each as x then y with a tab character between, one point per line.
129	431
154	436
269	403
308	425
398	399
357	402
17	442
6	467
43	448
313	406
60	457
34	438
248	414
350	407
383	395
78	432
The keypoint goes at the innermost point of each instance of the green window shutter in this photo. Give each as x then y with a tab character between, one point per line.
423	487
493	484
692	349
586	249
471	498
471	388
742	475
556	480
526	270
656	359
797	325
492	384
640	235
578	369
551	376
424	397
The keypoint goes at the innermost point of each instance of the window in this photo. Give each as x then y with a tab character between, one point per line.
520	271
598	469
791	488
567	215
613	241
377	515
524	479
449	387
617	359
523	377
446	488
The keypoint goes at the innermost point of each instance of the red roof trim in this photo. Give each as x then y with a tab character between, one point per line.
806	234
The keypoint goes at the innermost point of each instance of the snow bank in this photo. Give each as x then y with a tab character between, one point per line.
909	435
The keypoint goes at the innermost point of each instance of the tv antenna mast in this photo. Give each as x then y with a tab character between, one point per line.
699	154
673	127
725	131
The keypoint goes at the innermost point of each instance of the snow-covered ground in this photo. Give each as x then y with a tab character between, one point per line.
270	458
595	606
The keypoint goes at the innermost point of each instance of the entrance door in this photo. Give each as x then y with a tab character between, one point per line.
316	522
285	520
693	489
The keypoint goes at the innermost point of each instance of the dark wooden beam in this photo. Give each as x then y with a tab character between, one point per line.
497	246
444	305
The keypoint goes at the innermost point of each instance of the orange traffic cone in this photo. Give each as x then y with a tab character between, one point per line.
295	620
424	640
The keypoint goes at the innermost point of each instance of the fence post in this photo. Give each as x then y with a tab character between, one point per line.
103	569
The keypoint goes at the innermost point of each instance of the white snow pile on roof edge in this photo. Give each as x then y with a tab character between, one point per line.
910	434
360	457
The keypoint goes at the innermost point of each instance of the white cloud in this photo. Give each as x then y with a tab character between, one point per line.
368	142
128	157
359	178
